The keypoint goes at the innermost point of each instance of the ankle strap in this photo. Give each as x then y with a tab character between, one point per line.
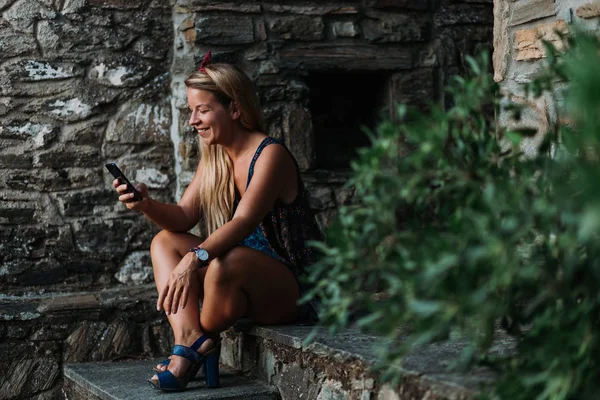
199	342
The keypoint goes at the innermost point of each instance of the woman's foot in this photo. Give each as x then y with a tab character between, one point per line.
179	366
163	365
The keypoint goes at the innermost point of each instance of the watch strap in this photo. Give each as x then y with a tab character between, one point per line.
203	263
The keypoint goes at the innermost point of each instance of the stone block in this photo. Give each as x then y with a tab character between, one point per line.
311	9
387	393
37	135
296	27
82	203
345	29
26	242
115	4
16	161
589	10
464	14
296	382
415	88
396	28
39	273
141	122
33	368
49	179
529	10
224	30
89	132
223	6
122	71
528	42
64	37
14	44
68	156
398	4
320	197
135	269
326	217
343	195
501	44
35	70
24	14
535	115
68	110
98	238
16	216
297	126
154	178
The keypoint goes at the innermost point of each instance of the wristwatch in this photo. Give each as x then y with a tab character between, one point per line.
202	255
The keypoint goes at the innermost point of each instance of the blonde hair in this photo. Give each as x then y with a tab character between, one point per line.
216	195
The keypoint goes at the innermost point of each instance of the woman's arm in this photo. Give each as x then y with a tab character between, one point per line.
179	217
274	173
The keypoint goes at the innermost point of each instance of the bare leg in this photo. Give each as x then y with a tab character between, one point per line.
247	282
242	282
167	250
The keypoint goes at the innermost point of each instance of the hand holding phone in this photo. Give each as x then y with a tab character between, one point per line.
118	174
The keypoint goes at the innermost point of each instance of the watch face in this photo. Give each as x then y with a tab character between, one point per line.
202	254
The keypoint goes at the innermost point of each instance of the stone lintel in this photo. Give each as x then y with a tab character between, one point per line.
529	10
225	6
332	56
311	9
398	4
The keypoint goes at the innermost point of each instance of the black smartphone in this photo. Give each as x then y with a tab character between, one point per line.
117	173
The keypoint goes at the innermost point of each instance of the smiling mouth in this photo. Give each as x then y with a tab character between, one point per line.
202	130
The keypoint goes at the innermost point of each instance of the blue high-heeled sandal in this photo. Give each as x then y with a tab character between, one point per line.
163	362
168	382
166	362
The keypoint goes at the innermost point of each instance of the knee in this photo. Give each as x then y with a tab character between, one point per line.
162	241
224	268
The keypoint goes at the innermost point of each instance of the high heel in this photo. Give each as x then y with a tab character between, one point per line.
169	382
211	368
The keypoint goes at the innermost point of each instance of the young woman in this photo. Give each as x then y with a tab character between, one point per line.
251	204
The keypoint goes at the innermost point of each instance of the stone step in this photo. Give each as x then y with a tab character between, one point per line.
126	380
339	366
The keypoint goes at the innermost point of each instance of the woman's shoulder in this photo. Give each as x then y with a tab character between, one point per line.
275	151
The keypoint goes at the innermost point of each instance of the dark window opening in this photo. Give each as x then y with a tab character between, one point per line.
340	104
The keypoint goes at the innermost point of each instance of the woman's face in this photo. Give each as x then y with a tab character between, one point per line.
211	119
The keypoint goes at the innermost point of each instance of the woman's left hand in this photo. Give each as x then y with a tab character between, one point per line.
183	278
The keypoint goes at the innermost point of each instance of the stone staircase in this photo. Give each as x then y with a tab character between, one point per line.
61	346
125	380
272	363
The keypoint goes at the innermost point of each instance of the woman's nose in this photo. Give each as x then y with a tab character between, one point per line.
194	119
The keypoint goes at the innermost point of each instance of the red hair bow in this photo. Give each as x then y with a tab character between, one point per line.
205	61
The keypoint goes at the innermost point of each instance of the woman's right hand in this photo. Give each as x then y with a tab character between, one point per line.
127	198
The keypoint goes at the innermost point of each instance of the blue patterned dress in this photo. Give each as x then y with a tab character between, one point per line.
283	232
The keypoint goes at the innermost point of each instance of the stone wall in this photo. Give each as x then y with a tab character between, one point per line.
82	83
520	27
85	82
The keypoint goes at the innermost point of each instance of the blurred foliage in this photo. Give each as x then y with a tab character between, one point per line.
458	234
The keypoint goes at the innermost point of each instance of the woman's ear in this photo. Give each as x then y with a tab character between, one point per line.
234	110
